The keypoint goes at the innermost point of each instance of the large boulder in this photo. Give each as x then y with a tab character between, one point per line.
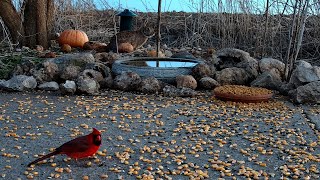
309	93
77	59
3	84
150	85
186	81
127	81
26	67
172	91
19	83
49	86
102	68
183	55
269	79
107	80
70	72
267	64
208	83
234	75
201	70
87	85
106	58
304	73
46	72
93	74
68	88
285	88
231	57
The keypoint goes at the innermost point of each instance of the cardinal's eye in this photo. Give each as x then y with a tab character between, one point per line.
98	138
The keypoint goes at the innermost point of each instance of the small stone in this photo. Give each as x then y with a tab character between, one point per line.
149	85
68	88
208	83
201	70
49	86
87	85
127	81
186	81
173	91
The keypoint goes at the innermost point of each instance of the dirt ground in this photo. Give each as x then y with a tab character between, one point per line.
156	137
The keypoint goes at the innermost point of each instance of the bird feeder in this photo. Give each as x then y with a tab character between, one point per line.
126	20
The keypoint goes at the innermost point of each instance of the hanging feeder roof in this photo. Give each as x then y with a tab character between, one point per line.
127	12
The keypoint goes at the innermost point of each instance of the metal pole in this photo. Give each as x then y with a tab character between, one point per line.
158	31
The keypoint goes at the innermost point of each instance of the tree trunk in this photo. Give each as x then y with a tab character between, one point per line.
38	22
50	19
12	20
36	28
30	23
42	33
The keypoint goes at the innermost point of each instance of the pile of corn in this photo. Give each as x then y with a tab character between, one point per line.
242	90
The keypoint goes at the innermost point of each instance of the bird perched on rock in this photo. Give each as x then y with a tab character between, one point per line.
77	148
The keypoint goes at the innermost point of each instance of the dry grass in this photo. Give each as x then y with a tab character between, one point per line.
218	30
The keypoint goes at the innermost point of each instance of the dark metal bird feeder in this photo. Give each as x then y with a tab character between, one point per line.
126	20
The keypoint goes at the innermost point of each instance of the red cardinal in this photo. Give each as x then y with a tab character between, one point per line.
80	147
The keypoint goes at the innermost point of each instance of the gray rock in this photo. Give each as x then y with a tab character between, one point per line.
46	72
309	93
285	88
167	53
239	54
127	81
87	85
302	63
266	64
314	118
26	67
172	91
231	57
304	73
70	72
93	74
234	76
186	81
102	68
183	55
213	70
269	79
107	81
201	70
68	88
107	58
78	59
208	83
49	86
150	85
3	84
19	83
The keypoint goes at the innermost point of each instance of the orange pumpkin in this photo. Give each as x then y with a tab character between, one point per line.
66	48
125	48
75	38
153	53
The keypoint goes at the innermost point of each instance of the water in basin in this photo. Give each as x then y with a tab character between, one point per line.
164	64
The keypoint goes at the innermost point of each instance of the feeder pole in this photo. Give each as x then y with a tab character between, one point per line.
158	30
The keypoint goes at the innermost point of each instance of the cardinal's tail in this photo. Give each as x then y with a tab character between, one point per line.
44	157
